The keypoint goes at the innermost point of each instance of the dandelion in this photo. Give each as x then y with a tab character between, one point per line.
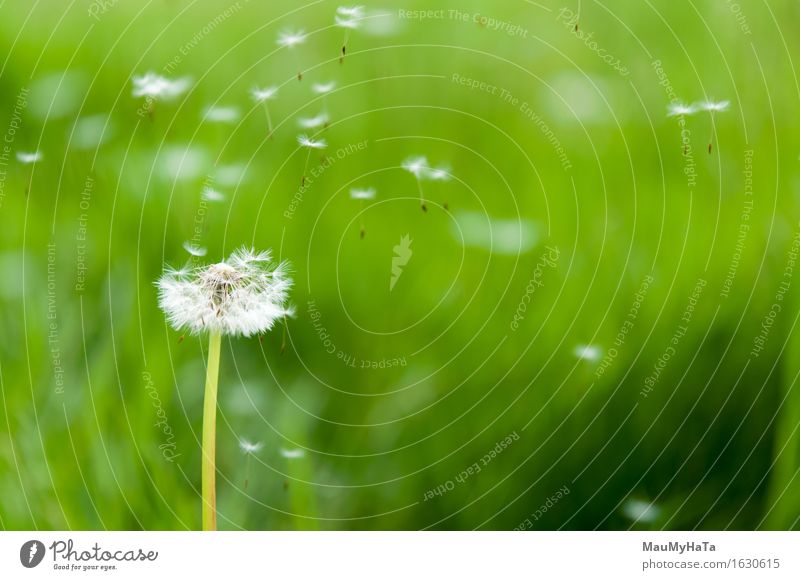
587	352
713	107
348	18
421	170
362	195
290	40
244	295
309	144
320	120
262	96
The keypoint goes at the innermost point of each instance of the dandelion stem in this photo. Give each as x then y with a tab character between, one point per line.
269	119
422	203
305	168
209	486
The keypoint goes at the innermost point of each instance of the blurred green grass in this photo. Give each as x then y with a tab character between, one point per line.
703	446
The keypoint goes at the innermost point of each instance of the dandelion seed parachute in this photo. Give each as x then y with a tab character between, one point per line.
306	141
28	158
156	86
265	94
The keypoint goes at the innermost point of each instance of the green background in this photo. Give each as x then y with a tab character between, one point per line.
714	445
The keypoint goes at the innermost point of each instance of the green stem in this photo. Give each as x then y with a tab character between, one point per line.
210	434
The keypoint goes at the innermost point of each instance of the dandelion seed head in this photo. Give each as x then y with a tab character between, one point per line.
439	174
249	447
323	88
158	87
680	109
587	352
244	295
363	193
28	158
306	141
313	122
290	39
265	94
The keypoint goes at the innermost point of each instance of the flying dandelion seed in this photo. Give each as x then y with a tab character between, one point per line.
680	109
419	167
323	88
309	144
248	447
362	194
641	511
29	158
222	114
244	295
348	18
212	195
313	122
290	40
194	250
587	352
158	87
713	107
262	96
292	453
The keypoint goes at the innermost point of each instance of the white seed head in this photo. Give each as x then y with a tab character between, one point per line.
715	106
248	447
158	87
306	141
439	174
365	193
244	295
680	109
265	94
291	39
313	122
323	88
28	158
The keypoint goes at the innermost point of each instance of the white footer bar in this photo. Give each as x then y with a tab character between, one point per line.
401	555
